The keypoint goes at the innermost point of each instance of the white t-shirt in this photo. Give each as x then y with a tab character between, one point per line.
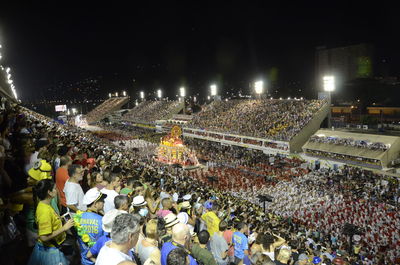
109	201
74	195
111	256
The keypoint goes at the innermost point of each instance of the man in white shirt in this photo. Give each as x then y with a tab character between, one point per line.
73	190
114	182
124	236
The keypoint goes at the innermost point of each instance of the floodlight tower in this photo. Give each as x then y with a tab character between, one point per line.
259	88
329	86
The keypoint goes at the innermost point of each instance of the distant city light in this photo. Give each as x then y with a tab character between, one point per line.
109	95
213	90
124	93
159	93
182	92
329	83
259	87
141	94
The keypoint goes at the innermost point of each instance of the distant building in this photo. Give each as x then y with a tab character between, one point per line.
345	63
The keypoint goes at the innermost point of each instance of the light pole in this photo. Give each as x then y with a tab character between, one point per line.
329	86
182	93
213	89
259	88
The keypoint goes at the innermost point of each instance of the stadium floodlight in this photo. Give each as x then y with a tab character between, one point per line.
159	93
116	94
109	95
213	88
259	87
15	93
182	91
8	76
10	81
329	83
141	94
124	93
74	111
8	70
208	97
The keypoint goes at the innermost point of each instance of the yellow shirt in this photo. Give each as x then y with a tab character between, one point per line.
48	221
212	222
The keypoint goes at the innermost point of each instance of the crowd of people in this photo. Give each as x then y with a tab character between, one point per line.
349	142
263	118
150	111
70	197
104	108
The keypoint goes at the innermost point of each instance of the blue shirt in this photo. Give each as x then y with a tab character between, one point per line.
240	243
91	223
95	249
166	249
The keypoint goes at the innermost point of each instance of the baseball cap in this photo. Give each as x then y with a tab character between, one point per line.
316	260
40	170
92	196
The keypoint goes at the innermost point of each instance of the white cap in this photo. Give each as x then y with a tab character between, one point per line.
108	219
187	197
138	201
175	197
183	218
93	195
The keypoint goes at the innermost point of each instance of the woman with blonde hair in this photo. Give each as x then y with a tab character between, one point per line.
147	249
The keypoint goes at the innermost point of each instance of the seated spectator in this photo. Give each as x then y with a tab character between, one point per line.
124	236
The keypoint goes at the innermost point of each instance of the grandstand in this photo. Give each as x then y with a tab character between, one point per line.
368	150
270	125
105	108
148	112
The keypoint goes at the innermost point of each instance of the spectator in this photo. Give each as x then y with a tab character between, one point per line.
113	183
51	232
283	256
61	179
178	256
219	246
148	247
107	222
211	219
73	190
124	236
121	203
90	222
180	239
240	243
200	251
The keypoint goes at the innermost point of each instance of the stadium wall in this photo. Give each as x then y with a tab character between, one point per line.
302	137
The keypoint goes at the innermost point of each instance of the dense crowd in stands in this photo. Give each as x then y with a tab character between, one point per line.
104	108
349	142
69	197
357	160
267	118
150	111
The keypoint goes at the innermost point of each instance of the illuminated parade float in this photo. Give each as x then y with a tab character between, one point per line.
173	151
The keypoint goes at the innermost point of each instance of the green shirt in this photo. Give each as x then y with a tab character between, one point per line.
203	255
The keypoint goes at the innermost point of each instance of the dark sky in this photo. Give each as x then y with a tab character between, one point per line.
170	45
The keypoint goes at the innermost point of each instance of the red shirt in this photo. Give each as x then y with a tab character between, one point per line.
61	178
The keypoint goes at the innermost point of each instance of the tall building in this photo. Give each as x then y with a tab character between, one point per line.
345	63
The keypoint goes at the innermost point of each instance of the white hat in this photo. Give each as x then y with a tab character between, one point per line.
108	219
185	205
183	217
170	220
187	197
138	201
175	197
93	195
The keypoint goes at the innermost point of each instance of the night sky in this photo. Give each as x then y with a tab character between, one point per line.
166	46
